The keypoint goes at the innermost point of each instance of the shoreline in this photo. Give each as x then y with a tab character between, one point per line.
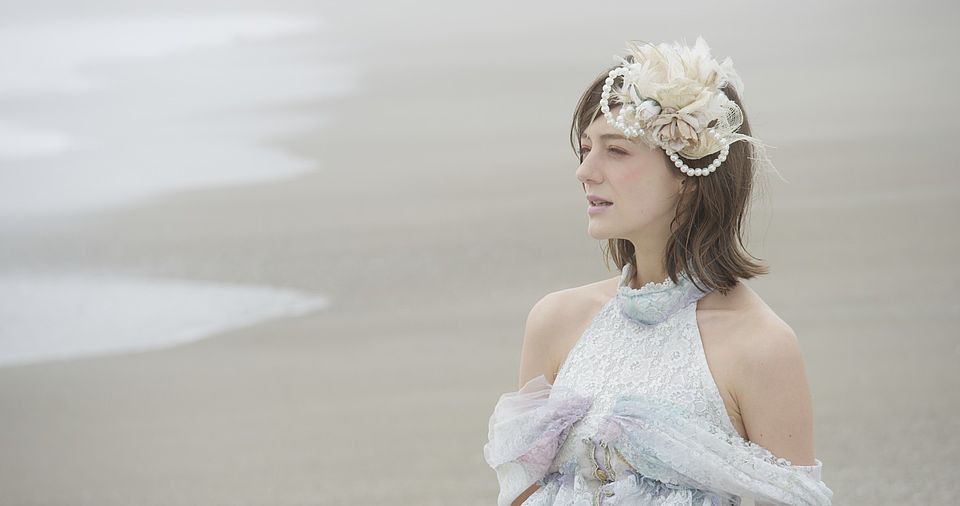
435	234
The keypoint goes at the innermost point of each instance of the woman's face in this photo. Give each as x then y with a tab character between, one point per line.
643	186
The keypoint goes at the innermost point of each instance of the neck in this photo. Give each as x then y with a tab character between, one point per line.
648	263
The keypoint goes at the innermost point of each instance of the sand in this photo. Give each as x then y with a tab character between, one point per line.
444	205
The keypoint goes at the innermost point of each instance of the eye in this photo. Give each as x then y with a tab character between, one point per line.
612	149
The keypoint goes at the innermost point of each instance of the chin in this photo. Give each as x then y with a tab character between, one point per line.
599	233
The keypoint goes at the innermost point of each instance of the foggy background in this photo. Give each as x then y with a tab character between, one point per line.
269	253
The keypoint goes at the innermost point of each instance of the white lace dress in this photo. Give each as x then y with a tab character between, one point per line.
634	417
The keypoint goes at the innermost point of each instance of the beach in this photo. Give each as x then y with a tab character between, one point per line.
427	197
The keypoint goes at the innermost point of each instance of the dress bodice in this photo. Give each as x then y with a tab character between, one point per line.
660	356
634	417
643	341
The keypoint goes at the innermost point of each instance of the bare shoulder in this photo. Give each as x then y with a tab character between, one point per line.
748	327
555	323
767	348
772	389
756	361
740	313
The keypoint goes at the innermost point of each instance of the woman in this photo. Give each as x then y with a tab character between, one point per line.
673	382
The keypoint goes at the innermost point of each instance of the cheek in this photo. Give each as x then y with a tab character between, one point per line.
637	185
645	195
644	185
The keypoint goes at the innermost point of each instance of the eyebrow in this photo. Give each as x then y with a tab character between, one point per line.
608	136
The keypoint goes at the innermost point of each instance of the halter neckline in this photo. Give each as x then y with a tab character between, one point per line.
655	302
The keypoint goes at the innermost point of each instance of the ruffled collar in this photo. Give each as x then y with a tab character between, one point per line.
655	302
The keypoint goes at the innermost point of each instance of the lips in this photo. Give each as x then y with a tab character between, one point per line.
596	201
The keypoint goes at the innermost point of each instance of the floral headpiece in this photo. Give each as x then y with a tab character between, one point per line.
672	100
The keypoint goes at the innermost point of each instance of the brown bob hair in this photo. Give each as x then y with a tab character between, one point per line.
706	237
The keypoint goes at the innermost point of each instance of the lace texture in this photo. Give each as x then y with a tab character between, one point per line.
634	417
655	302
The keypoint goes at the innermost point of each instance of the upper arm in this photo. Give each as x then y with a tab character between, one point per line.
537	355
773	394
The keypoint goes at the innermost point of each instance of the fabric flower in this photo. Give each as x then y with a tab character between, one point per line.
677	129
647	110
674	96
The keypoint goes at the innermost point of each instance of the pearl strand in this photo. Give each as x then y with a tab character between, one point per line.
620	121
709	169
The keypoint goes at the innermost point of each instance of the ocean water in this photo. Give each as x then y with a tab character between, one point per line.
53	317
100	113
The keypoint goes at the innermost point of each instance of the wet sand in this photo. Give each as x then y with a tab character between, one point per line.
444	205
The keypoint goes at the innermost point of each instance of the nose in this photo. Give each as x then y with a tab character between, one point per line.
588	172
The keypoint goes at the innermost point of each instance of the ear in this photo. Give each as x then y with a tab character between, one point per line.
687	184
